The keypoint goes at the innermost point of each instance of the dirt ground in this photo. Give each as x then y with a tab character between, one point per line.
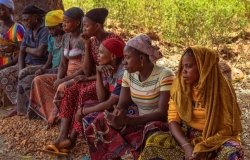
23	139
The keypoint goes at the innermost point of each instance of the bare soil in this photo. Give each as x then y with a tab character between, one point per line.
21	138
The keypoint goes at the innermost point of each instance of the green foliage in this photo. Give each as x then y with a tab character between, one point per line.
183	22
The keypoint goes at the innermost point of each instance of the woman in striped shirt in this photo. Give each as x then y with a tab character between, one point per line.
117	135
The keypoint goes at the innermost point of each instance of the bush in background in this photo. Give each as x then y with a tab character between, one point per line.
183	22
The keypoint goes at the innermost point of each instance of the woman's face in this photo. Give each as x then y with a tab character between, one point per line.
131	62
4	11
89	27
55	30
69	24
104	57
29	20
190	73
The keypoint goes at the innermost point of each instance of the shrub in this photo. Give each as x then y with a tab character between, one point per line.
184	22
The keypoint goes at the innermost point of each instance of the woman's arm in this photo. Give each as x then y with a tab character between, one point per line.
88	62
40	51
77	73
62	69
113	100
178	134
117	118
124	99
101	89
159	115
48	63
21	58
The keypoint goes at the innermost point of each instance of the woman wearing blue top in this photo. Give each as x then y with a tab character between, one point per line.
53	21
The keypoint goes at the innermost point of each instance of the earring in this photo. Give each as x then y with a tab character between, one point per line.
141	63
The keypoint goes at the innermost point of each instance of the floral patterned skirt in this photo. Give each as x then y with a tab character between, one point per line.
105	142
163	146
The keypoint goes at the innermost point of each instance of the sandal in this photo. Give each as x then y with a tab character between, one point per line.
52	149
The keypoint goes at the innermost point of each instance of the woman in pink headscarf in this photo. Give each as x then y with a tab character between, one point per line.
118	135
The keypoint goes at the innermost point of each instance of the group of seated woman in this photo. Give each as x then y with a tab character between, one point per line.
69	70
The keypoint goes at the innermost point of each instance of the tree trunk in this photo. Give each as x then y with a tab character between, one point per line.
46	5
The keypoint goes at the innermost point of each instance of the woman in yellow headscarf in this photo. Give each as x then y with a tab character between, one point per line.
53	22
203	115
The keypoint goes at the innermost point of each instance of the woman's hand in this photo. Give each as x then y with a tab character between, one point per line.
118	111
80	78
107	70
198	156
57	83
22	74
116	120
40	72
85	38
79	114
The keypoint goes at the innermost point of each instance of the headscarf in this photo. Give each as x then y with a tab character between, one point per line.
114	46
143	44
74	13
53	18
216	94
8	4
31	9
97	15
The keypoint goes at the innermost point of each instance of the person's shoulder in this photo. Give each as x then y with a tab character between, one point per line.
19	26
79	39
164	71
126	74
43	31
120	71
51	38
66	37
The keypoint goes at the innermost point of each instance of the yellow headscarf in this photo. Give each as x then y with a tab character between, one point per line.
216	94
53	18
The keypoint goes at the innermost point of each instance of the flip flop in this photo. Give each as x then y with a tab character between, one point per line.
52	149
85	157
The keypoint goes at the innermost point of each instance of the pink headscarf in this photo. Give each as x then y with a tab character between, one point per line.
143	44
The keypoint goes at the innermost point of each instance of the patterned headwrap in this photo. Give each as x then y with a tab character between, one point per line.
8	4
143	44
115	46
97	15
53	18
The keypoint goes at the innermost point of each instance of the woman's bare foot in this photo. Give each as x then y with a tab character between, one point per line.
12	113
21	114
48	126
63	143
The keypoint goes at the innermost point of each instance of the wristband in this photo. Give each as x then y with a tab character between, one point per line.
185	144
